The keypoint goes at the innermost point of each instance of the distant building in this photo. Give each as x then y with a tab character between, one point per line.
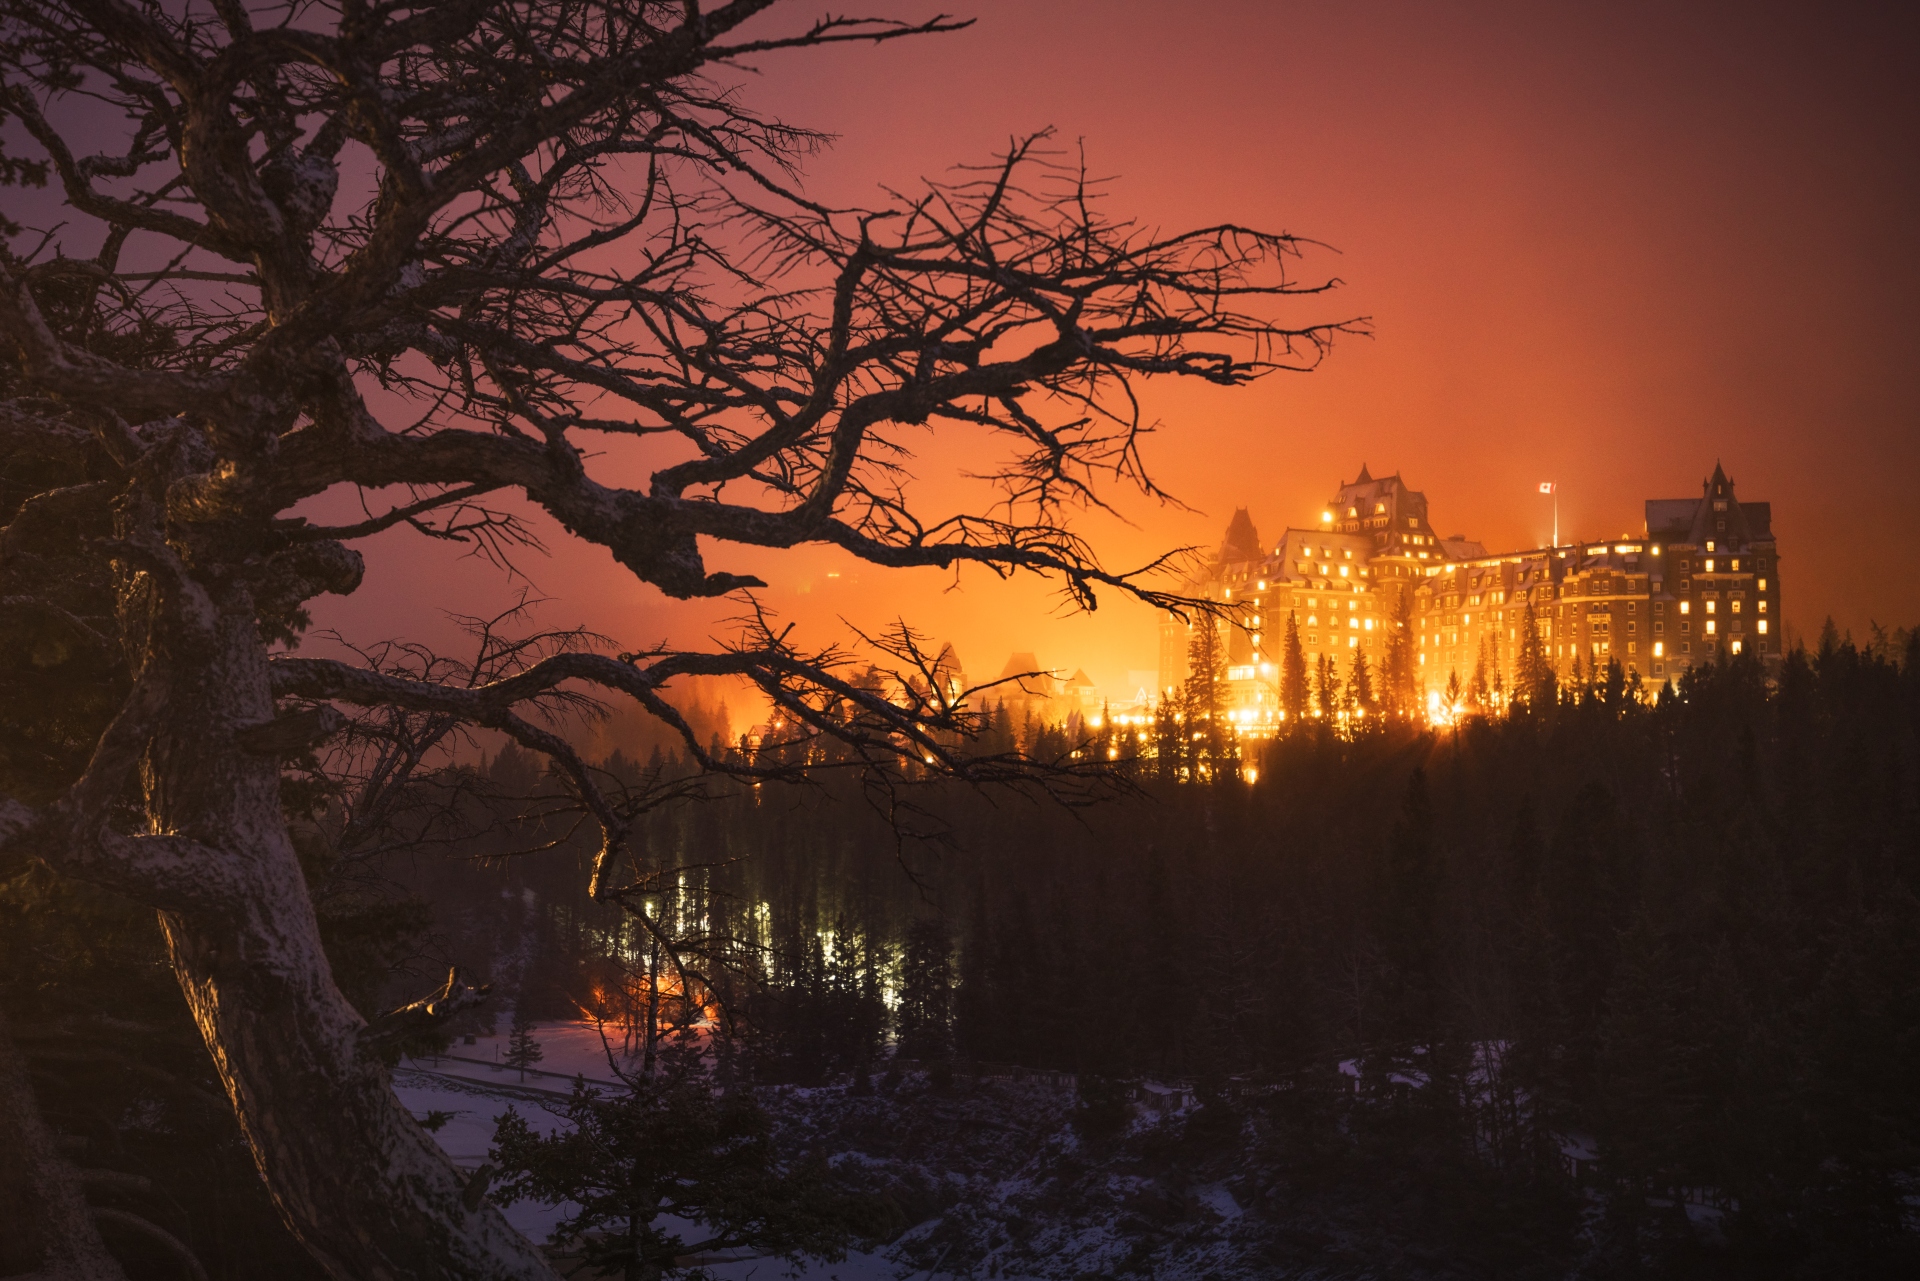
1703	577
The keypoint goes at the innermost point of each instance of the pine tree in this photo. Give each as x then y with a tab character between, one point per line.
1326	688
1204	701
1360	687
1293	674
642	1165
523	1051
1615	686
1400	694
925	1014
1533	679
1479	692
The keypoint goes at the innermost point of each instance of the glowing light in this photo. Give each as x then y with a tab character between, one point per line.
1326	517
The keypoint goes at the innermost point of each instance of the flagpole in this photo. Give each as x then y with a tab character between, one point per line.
1556	515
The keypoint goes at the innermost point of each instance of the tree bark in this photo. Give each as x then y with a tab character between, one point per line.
46	1227
357	1180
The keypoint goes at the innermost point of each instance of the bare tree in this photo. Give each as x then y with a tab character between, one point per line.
569	227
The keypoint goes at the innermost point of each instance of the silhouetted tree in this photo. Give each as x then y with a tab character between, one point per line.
1293	674
463	271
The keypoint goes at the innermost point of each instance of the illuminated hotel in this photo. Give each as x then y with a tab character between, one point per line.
1702	577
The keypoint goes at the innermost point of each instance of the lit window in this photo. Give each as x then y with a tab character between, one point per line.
1710	607
1736	607
1709	568
1659	649
1709	627
1709	548
1762	607
1343	571
1735	562
1763	627
1762	584
1686	607
1350	557
1736	647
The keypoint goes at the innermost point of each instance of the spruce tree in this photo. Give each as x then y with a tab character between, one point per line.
1205	700
1326	690
1360	687
1401	693
523	1051
662	1169
925	1015
1293	674
1533	678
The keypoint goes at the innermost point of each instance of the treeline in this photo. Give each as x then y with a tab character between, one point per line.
1673	947
1663	952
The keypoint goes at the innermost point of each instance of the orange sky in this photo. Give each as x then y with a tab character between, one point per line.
1602	244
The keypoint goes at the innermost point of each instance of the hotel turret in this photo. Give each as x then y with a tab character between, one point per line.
1702	578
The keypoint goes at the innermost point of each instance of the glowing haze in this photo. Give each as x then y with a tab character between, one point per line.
1600	245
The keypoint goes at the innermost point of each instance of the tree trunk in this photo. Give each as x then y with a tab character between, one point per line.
362	1186
47	1231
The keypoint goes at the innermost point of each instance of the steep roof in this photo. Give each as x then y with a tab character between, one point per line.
1020	664
1242	541
1694	520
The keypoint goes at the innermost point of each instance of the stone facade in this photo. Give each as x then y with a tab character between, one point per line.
1702	577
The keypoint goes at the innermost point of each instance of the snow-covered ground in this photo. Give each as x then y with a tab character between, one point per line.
472	1086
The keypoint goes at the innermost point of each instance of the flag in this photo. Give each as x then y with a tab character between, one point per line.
1546	487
